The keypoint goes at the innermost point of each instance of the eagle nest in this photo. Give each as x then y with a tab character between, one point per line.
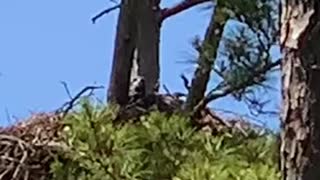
28	148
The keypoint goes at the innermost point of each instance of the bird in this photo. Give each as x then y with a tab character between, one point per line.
137	89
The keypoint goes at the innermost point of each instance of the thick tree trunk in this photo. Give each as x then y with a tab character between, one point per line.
136	48
123	53
148	35
300	138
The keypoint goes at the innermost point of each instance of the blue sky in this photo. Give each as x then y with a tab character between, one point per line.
45	42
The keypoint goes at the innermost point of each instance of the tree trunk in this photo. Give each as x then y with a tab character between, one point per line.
205	62
123	53
148	35
136	48
300	137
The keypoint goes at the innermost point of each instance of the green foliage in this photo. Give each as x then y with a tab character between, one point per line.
241	57
158	148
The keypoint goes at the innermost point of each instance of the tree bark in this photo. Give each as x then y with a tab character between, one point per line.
148	35
136	48
300	137
137	45
123	53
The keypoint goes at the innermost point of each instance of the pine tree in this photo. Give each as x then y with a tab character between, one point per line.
300	35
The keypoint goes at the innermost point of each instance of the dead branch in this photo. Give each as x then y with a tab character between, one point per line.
65	85
182	6
66	107
104	12
166	89
8	116
185	81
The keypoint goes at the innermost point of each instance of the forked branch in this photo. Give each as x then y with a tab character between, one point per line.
216	93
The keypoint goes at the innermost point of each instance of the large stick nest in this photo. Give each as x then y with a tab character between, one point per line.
28	148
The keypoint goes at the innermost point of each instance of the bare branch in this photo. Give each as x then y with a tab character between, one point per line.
104	12
166	89
182	6
185	81
70	104
8	116
114	1
66	88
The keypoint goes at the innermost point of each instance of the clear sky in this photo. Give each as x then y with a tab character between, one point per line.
45	42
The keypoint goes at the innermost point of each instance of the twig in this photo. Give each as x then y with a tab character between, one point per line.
173	95
8	169
8	116
184	5
104	12
21	162
70	104
166	89
114	1
66	88
185	81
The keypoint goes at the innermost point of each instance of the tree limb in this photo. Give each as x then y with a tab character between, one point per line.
206	59
70	104
213	95
184	5
104	12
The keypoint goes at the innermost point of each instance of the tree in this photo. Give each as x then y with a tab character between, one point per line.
242	59
300	35
137	45
137	32
246	61
124	49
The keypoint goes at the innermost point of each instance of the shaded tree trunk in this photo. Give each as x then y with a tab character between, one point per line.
300	137
123	53
148	35
138	32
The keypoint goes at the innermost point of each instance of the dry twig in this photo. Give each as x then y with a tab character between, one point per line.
70	104
182	6
104	12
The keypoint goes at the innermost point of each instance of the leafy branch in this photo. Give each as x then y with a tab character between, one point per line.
242	59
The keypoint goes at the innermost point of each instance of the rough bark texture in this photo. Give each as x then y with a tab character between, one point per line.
300	138
205	62
136	48
136	52
148	35
123	53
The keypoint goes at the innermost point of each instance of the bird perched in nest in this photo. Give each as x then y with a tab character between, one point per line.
137	89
